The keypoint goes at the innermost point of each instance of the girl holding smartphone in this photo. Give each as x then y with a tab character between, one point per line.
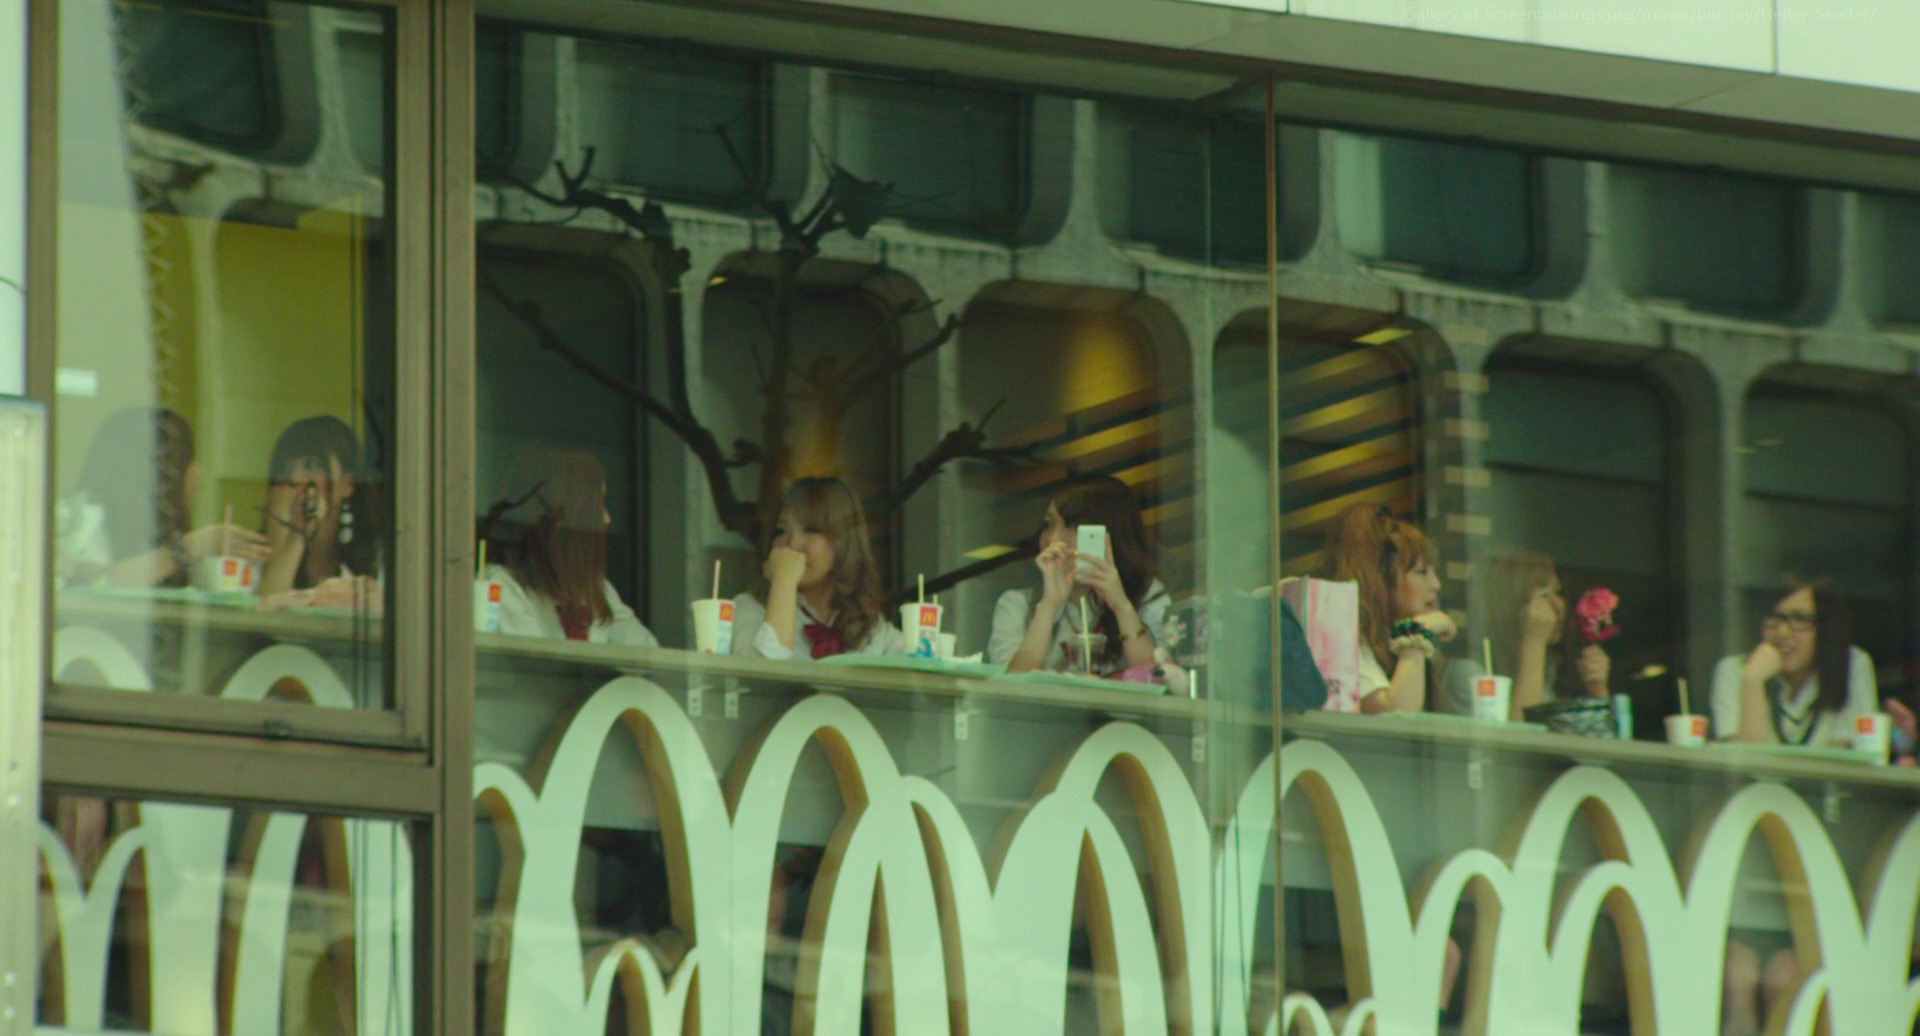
1125	603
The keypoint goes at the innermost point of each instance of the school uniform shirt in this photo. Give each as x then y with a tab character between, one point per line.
524	613
1803	722
1014	611
752	635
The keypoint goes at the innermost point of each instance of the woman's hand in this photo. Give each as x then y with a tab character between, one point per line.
785	566
1596	670
1056	574
1763	664
1542	617
1103	576
213	540
1439	623
1902	717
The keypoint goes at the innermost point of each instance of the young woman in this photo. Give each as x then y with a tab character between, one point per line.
823	586
127	520
549	541
1125	603
1401	624
323	514
1804	682
1526	622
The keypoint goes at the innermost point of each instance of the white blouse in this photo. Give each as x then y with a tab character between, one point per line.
524	613
1803	716
752	635
1013	612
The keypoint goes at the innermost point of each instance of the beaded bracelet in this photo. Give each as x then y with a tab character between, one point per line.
1412	642
1411	628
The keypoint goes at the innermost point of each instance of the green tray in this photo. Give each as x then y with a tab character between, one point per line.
915	664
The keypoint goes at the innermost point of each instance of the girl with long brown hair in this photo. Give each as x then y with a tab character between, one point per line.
1401	624
548	536
823	593
1526	625
128	519
1127	603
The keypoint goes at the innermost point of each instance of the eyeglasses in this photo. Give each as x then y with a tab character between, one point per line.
1798	622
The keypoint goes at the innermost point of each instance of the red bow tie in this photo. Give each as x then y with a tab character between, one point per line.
826	640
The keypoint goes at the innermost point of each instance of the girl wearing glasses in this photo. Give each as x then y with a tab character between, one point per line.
1804	682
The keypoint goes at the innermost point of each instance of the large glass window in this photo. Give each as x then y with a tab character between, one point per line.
875	443
306	919
226	436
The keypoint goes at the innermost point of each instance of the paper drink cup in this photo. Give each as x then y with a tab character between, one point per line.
948	644
1873	736
1492	698
223	573
486	605
1686	730
713	626
920	626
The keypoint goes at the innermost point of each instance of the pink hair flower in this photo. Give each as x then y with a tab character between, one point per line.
1595	611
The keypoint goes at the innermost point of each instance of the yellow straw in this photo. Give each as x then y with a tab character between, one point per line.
923	588
716	579
1486	648
481	572
1684	710
226	532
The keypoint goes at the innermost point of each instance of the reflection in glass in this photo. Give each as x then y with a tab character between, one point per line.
224	440
161	917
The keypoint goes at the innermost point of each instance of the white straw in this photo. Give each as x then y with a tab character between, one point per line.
481	572
1086	639
1486	647
923	588
1684	710
716	579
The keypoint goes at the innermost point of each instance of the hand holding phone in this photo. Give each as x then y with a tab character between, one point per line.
1090	540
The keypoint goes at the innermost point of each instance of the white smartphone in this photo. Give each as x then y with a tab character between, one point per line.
1091	541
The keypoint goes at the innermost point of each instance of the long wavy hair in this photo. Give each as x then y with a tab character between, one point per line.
830	505
136	470
325	438
1512	577
547	529
1371	547
1105	500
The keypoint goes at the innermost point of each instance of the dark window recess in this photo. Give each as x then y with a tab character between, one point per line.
1851	521
496	82
1898	248
1715	242
1453	211
202	70
957	158
1190	185
1579	472
660	119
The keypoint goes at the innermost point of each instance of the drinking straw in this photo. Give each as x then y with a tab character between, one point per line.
716	579
1086	639
1684	710
226	532
923	588
1486	649
480	573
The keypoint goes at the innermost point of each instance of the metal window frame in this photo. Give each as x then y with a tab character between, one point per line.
23	488
410	652
412	763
